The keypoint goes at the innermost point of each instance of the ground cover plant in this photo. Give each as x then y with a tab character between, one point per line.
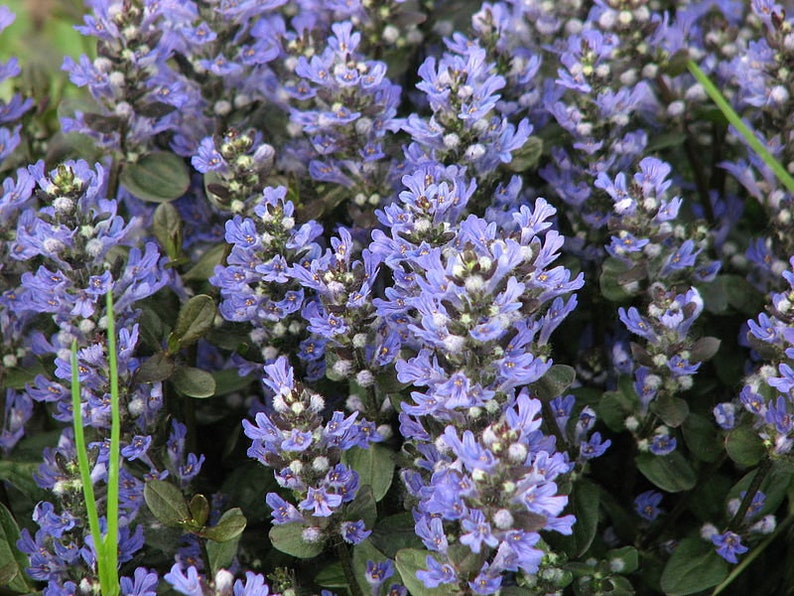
402	297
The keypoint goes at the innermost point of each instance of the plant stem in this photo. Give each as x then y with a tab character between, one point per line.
112	538
763	469
749	136
754	554
85	468
347	567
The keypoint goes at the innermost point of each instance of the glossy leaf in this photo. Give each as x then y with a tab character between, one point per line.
195	320
230	526
288	538
166	502
744	446
410	560
157	177
193	382
671	472
554	382
12	561
693	567
375	467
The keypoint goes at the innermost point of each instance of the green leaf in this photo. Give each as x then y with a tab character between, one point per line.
704	349
195	320
221	553
410	560
395	532
20	474
693	567
375	467
742	295
12	571
151	327
527	157
669	472
158	177
332	576
193	382
229	526
199	509
672	410
584	503
205	267
229	380
363	508
158	367
624	560
167	228
616	406
744	446
166	502
700	436
288	538
665	141
554	382
614	281
19	376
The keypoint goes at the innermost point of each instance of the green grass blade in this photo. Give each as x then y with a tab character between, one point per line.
718	98
85	468
111	539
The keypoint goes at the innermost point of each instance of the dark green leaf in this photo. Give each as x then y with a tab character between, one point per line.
199	509
744	446
375	467
14	562
157	177
167	228
195	320
20	474
584	504
156	109
704	349
411	560
229	381
229	526
363	507
700	436
774	487
614	408
669	472
624	560
166	502
665	141
221	554
151	327
615	281
672	410
288	538
742	295
19	376
205	267
193	382
694	566
527	157
158	367
395	532
332	576
554	382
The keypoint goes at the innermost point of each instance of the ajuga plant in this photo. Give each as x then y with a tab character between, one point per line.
429	298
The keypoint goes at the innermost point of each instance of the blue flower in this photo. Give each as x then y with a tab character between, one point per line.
729	544
354	532
437	573
188	583
647	504
320	502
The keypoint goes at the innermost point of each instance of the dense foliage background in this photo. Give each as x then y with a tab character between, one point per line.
396	297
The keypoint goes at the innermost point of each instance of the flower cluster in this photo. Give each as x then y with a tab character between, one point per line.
292	437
